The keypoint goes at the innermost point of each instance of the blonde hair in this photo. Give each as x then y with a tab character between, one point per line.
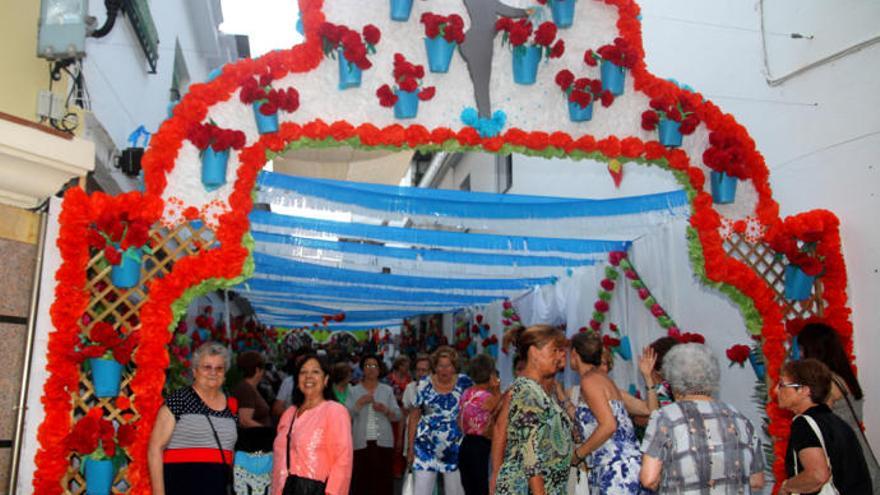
444	351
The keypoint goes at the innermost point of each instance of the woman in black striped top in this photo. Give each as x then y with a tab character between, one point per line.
191	446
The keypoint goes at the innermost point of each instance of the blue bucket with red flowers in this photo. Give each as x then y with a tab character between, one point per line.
127	273
525	64
214	168
106	376
613	77
349	73
578	113
439	54
723	187
670	135
798	285
99	476
266	124
400	10
757	362
563	12
407	105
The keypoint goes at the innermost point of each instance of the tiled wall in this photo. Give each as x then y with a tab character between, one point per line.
16	272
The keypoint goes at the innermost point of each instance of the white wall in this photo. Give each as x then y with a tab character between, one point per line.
123	93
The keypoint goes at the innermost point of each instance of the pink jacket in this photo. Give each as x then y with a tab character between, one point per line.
320	447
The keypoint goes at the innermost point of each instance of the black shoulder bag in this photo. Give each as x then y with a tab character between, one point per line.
297	485
226	467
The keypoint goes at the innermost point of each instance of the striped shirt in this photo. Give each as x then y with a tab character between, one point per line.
192	429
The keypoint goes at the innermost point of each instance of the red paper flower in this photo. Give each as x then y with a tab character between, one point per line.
601	306
607	284
738	353
451	27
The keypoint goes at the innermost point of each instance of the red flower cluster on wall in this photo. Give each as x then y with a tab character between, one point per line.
354	45
219	139
407	77
584	90
738	354
116	231
797	238
727	153
93	432
620	53
106	341
680	109
259	89
519	32
449	27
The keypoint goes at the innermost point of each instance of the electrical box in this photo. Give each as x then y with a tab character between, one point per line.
62	33
50	105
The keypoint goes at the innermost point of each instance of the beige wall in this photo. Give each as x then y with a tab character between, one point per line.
16	271
23	73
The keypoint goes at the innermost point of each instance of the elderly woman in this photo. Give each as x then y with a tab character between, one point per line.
312	451
698	444
190	449
373	408
822	448
434	432
539	443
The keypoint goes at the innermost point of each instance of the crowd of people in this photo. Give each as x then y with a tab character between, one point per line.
335	428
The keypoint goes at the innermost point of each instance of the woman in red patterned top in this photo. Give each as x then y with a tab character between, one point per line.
479	405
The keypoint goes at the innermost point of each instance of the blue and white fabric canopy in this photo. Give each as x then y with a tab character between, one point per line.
383	253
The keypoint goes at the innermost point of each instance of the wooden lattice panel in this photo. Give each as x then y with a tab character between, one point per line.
764	261
110	304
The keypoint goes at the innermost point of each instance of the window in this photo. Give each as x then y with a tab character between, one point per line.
138	12
180	77
504	172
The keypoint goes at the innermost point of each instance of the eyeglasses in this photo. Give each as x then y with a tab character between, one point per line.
206	368
371	366
788	385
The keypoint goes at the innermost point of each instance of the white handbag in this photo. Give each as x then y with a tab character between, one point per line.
828	488
409	482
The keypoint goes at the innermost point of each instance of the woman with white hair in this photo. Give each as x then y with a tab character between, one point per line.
697	444
191	446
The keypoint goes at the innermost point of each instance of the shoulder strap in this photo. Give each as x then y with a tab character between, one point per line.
818	432
216	439
289	431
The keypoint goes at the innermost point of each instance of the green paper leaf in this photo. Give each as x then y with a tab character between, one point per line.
637	284
611	273
600	317
605	295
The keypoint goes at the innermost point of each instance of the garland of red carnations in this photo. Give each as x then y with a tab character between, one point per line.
227	261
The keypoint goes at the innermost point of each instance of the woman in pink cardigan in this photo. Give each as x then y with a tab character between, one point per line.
313	449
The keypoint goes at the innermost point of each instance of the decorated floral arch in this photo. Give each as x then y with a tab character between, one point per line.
200	229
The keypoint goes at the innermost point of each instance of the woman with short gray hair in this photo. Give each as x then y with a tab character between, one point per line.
698	444
191	445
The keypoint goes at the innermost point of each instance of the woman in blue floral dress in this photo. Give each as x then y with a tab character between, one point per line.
538	452
434	432
611	450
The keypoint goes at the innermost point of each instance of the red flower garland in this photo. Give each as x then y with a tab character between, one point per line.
228	259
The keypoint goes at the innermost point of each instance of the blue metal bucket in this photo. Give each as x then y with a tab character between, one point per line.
349	73
525	64
266	124
723	188
127	273
580	114
400	10
798	285
439	53
613	77
99	476
106	376
670	136
563	12
407	105
214	168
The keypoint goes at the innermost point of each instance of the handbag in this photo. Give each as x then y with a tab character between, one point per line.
828	488
297	485
409	482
